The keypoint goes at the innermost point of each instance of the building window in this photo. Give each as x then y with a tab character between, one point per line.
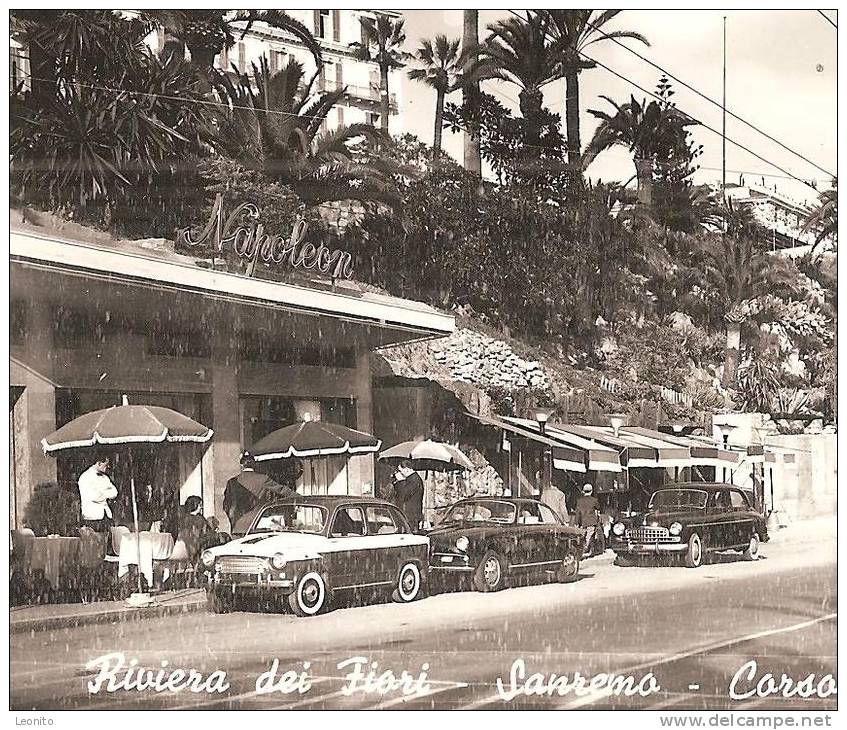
242	57
373	118
323	24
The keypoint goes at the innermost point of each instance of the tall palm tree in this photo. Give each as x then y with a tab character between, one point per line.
470	90
440	71
574	31
651	132
382	41
521	52
273	124
823	220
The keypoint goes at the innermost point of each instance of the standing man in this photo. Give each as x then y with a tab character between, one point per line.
95	488
587	513
248	491
409	493
553	497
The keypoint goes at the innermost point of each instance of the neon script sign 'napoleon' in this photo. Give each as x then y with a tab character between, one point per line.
248	239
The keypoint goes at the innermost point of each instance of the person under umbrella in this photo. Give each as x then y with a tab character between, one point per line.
95	489
409	493
249	490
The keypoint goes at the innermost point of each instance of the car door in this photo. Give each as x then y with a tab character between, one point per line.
554	544
720	522
745	518
386	537
350	562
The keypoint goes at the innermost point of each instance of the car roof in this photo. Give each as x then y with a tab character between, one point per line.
489	497
702	486
330	501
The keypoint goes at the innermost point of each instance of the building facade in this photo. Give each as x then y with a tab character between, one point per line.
92	322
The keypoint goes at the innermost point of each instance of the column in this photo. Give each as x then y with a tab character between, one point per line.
361	469
226	418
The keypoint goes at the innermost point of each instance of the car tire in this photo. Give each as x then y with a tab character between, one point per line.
625	560
568	571
309	596
409	584
751	552
694	553
218	602
490	574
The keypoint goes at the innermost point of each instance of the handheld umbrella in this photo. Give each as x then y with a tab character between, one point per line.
127	425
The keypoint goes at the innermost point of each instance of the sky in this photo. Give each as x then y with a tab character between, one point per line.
781	77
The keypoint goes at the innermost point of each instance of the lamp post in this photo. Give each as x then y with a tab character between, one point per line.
617	422
725	430
542	415
763	431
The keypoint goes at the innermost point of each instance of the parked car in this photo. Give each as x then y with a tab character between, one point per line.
308	548
496	539
691	520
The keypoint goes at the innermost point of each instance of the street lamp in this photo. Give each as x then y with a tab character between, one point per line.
617	422
542	415
678	428
725	430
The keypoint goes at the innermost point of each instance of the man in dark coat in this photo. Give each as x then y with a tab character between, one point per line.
248	491
409	494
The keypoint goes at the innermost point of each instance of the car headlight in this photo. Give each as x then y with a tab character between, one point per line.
462	543
208	558
675	528
278	561
619	528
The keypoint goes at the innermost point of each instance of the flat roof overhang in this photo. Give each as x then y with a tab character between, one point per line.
396	320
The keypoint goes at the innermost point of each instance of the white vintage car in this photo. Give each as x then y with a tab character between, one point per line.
308	548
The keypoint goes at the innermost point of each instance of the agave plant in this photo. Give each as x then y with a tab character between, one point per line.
274	124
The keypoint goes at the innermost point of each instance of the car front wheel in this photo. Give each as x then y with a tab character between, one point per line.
408	584
752	551
694	553
309	597
490	574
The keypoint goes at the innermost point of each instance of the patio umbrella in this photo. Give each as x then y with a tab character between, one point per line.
428	455
127	425
313	438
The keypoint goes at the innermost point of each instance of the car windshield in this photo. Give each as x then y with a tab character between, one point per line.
664	498
488	510
291	518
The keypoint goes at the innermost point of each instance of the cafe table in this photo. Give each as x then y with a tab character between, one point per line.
153	546
57	557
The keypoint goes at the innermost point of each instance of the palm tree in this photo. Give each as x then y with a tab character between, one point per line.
651	132
382	39
273	124
521	52
823	220
206	33
470	91
441	71
575	30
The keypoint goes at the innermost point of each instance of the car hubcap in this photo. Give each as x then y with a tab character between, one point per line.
695	551
408	581
569	565
492	571
310	593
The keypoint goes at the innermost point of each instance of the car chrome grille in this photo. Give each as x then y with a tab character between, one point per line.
241	564
649	534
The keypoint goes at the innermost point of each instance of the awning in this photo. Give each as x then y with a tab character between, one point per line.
700	453
565	457
632	454
598	456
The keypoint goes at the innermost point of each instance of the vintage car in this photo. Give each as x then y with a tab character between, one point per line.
498	539
308	548
691	520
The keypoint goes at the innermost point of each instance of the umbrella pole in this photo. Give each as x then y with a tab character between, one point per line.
135	519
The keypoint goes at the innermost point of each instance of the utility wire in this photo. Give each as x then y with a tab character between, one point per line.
702	124
827	18
709	99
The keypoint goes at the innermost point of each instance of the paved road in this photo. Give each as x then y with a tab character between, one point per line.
692	629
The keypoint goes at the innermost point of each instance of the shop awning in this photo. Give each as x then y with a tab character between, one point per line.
632	454
598	456
700	453
565	457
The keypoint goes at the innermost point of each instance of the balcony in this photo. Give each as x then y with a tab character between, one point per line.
369	93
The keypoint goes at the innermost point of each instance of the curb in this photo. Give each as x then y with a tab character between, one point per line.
119	615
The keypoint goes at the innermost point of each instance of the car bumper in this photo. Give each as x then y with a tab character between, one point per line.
649	547
450	562
252	582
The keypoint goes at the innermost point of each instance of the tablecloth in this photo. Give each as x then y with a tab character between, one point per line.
154	546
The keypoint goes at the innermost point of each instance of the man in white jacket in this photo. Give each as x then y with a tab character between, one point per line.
95	488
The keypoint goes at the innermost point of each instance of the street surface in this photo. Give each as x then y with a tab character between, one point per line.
692	629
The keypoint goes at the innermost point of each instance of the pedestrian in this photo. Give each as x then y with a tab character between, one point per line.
554	498
247	491
587	513
409	493
193	527
95	489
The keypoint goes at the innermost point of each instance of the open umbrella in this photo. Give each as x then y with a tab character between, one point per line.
127	424
428	455
313	438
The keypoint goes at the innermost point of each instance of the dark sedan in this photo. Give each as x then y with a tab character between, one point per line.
691	520
496	539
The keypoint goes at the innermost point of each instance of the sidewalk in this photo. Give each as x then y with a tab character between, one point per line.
39	618
64	615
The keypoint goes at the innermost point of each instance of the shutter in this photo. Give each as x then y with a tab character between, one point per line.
224	59
339	76
340	117
317	18
336	26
